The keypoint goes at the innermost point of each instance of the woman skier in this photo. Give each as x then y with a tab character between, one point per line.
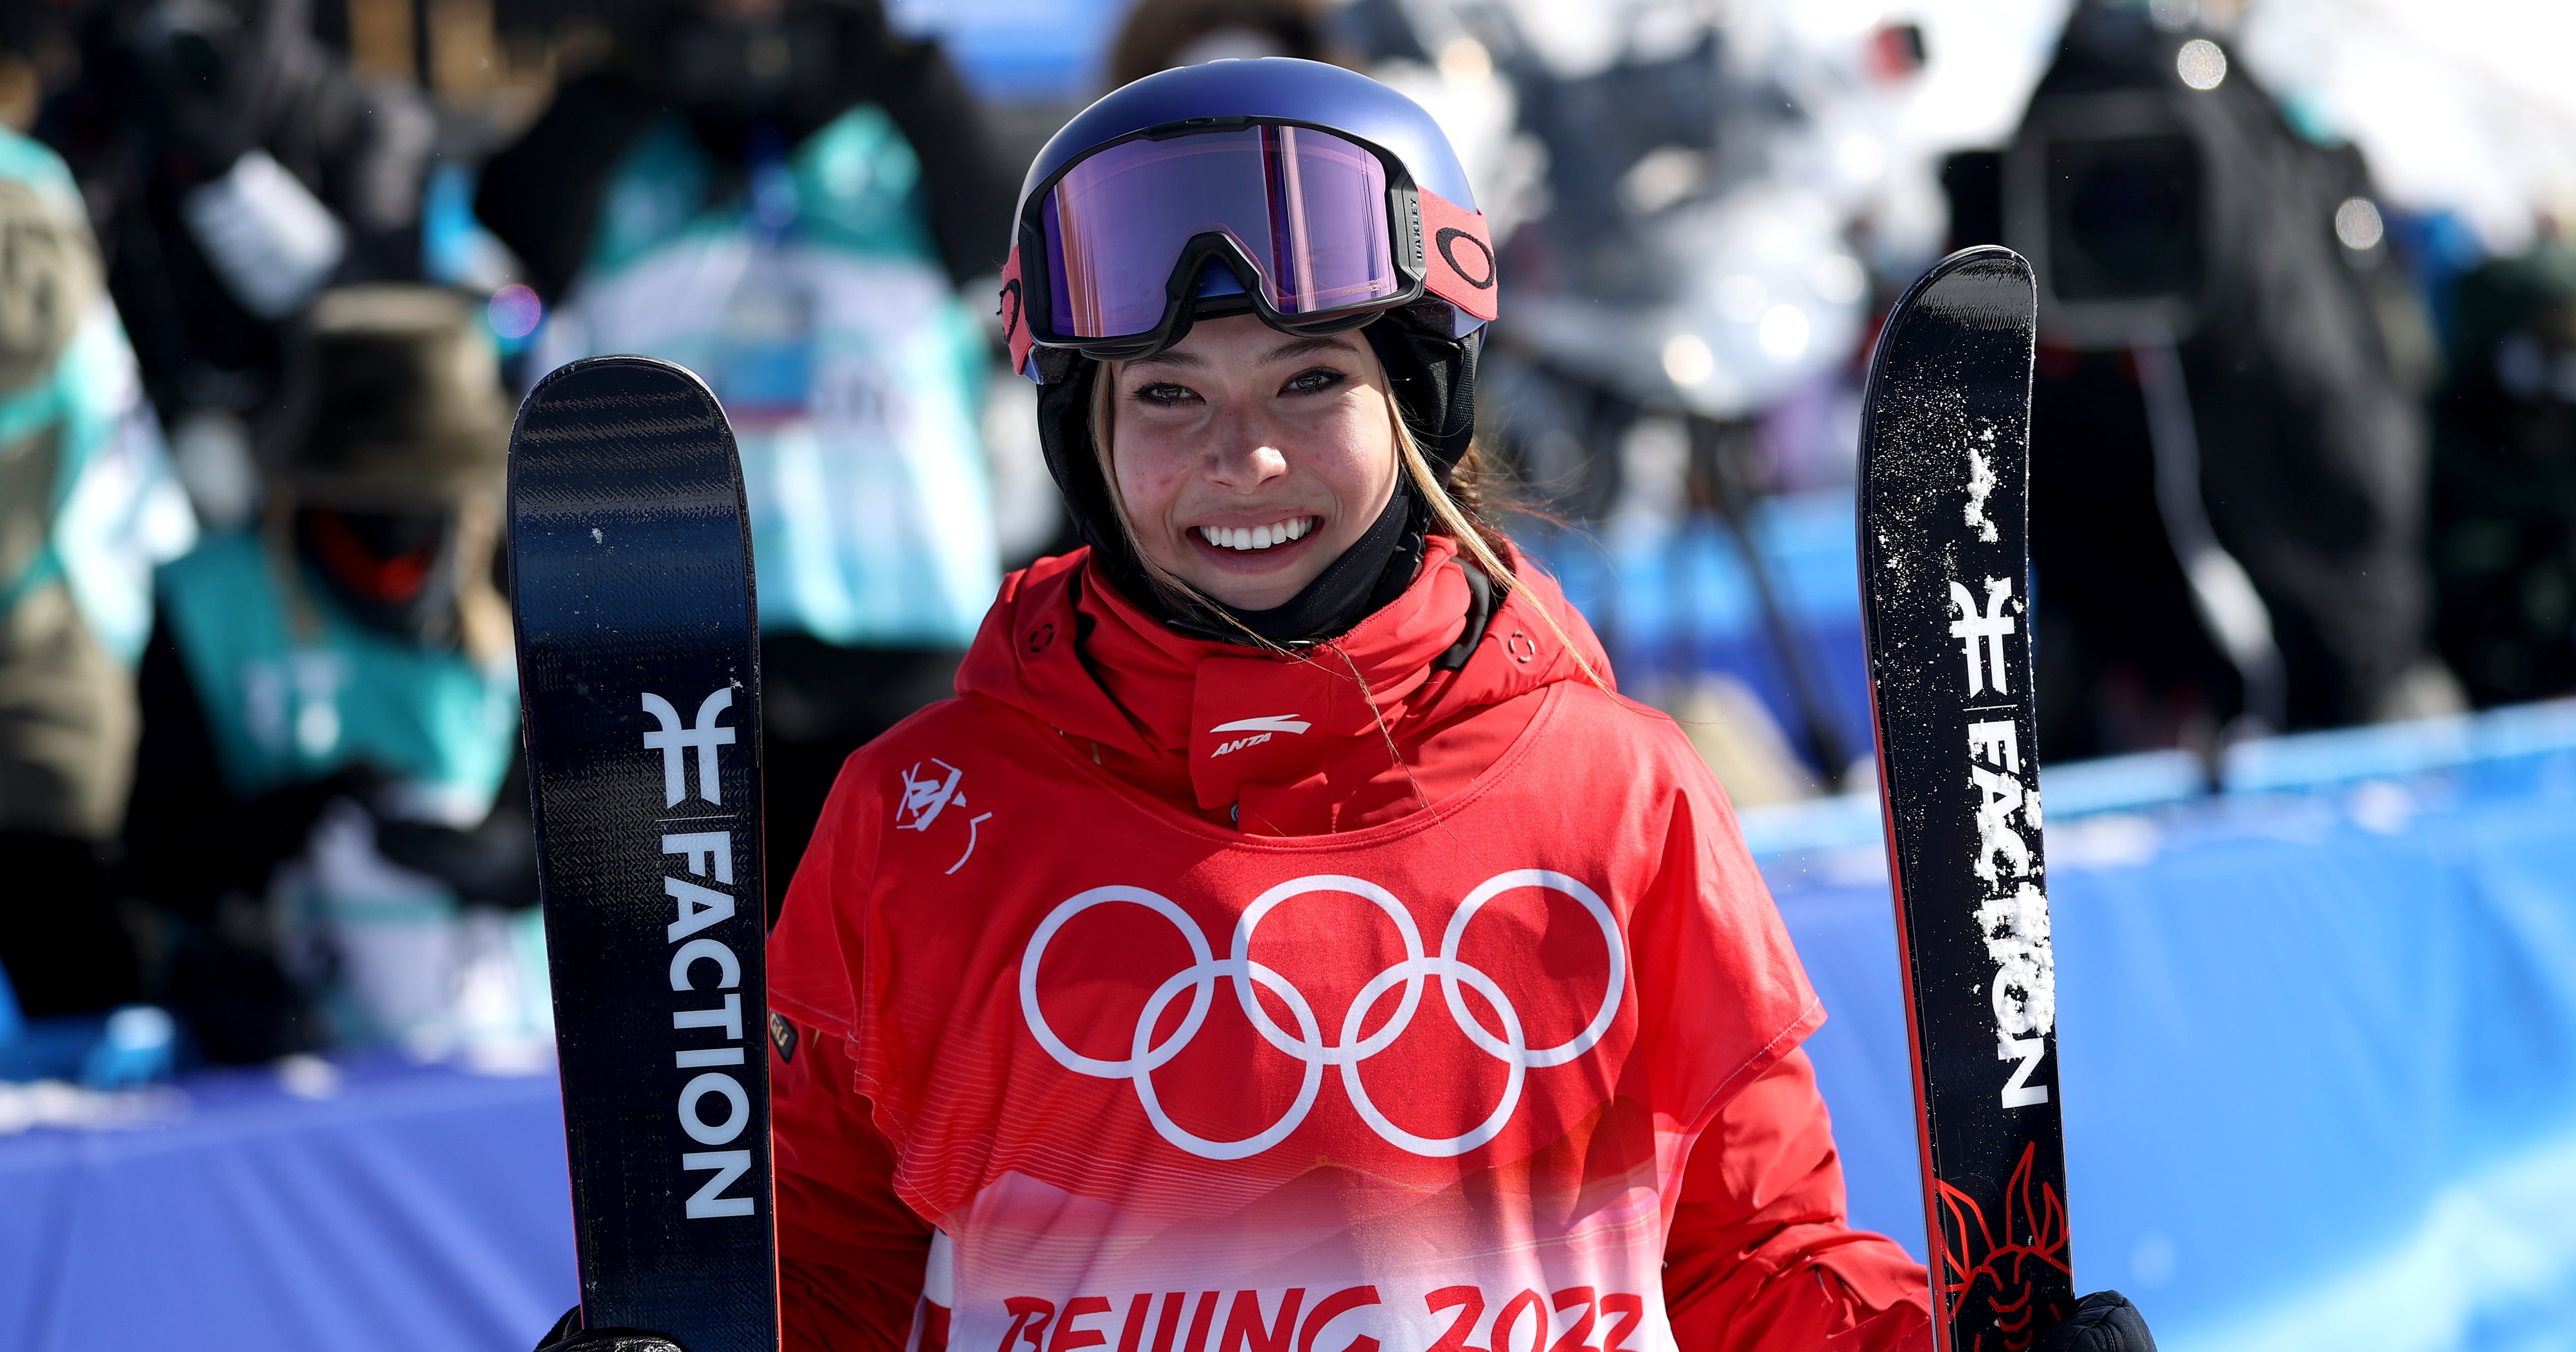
1287	939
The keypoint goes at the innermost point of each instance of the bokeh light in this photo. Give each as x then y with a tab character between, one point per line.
2201	64
1687	359
2358	225
1785	331
514	312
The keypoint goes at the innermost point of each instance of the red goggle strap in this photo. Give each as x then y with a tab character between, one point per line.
1015	325
1457	256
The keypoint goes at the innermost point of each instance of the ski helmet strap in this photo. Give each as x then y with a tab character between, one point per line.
1072	459
1433	379
1457	255
1015	328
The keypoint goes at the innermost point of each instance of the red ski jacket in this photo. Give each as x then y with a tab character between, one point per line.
1409	992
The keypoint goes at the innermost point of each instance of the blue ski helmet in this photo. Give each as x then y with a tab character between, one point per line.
1307	194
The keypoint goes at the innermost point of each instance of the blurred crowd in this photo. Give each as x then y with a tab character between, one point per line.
272	273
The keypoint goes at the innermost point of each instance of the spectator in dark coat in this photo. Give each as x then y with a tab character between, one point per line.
2504	480
2171	207
234	166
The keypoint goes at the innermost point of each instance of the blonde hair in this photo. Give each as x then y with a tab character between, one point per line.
1460	522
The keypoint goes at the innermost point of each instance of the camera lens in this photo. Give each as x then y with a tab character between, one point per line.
2124	218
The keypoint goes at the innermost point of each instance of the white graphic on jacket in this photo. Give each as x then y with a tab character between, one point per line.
1309	1043
1260	730
926	796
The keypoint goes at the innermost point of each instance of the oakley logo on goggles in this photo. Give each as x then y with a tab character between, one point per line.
1320	231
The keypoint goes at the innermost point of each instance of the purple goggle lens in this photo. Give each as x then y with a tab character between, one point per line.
1309	209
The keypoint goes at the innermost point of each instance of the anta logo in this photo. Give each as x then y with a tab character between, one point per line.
1259	729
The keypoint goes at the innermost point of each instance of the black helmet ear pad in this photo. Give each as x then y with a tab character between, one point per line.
1433	378
1064	431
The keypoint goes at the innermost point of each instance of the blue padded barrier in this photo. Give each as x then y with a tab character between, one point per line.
1685	603
2319	1033
2320	1083
415	1210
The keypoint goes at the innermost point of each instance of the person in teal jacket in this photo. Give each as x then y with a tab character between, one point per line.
331	812
786	196
88	505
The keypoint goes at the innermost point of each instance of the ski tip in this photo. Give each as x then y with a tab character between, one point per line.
1984	284
1986	287
1954	356
1992	261
624	377
602	414
634	438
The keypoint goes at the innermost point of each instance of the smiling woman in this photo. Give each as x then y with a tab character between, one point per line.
1294	718
1245	460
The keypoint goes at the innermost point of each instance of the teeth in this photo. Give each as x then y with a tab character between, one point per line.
1258	537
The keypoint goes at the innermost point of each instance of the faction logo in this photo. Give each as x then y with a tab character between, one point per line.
704	917
1347	1051
2013	917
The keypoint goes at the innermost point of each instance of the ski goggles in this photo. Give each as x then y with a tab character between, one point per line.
1313	230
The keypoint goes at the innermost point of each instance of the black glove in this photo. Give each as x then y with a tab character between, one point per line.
2103	1322
614	1340
492	864
569	1336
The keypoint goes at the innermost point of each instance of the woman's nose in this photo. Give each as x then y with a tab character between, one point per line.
1243	456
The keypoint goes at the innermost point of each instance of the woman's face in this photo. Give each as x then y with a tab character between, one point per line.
1247	459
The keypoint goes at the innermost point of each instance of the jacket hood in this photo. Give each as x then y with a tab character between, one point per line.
1283	743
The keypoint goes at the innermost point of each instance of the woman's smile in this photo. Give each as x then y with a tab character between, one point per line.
1265	544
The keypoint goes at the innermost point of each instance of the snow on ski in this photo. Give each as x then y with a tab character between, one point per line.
639	667
1945	576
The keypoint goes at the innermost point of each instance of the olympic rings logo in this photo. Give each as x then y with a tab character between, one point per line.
1308	1044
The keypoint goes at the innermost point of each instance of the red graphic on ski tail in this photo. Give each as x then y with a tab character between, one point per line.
2002	1270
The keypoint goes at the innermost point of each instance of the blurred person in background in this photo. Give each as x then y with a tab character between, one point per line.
87	506
35	41
2228	455
1160	34
1686	197
331	811
233	167
783	196
2503	537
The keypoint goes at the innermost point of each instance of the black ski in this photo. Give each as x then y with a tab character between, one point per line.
1945	573
639	671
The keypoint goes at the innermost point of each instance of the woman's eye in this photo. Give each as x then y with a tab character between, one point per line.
1163	395
1315	381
